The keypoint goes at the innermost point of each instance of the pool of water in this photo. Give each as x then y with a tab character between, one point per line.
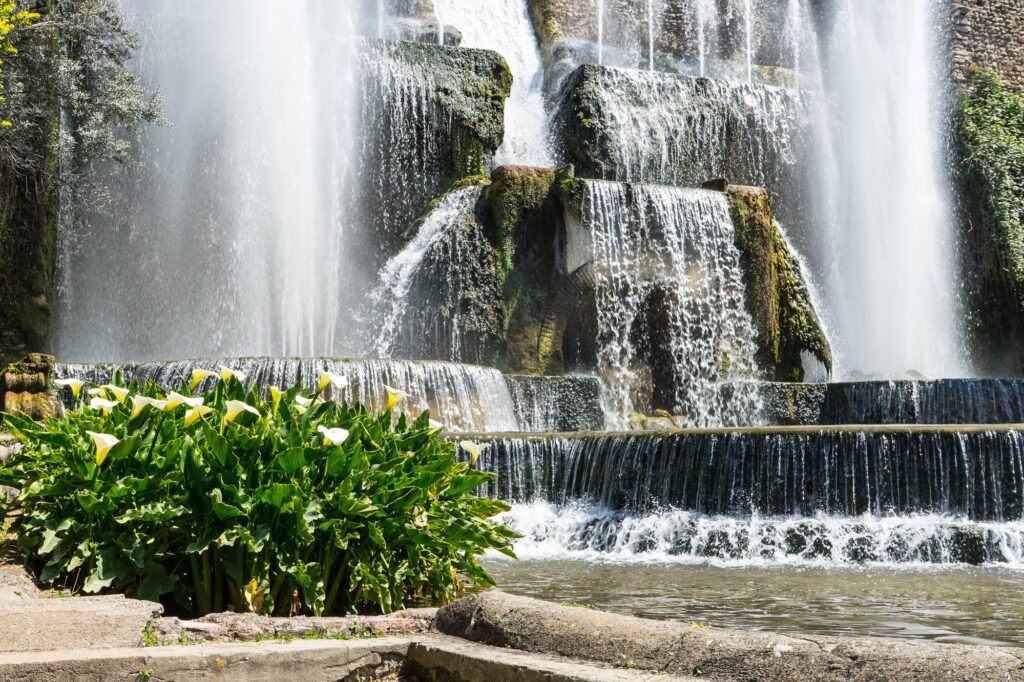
949	604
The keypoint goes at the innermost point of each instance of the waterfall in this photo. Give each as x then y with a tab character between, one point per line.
441	18
794	29
748	34
887	254
230	236
965	475
706	19
382	20
673	250
680	130
650	35
390	298
557	404
600	31
462	397
583	532
505	27
807	497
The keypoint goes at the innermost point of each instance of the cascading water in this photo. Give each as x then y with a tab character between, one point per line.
396	278
504	26
677	245
680	130
885	250
705	16
230	238
462	397
829	497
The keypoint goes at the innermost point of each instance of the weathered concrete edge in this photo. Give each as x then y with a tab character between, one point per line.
312	660
504	620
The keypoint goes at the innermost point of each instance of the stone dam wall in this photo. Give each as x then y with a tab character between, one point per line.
989	34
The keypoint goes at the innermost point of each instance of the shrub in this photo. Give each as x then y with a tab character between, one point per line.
231	501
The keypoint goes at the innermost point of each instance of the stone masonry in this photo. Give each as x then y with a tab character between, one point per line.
989	34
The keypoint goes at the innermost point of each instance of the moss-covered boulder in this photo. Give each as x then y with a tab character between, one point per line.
637	126
432	115
777	296
990	135
525	210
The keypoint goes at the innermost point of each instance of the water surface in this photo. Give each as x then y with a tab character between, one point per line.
948	604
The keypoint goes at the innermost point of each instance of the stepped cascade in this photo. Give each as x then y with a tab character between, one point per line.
689	269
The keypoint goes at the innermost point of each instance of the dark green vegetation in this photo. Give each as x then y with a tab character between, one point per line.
777	296
72	58
991	138
230	501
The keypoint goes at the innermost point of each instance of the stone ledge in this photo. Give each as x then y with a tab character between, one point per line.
431	657
503	620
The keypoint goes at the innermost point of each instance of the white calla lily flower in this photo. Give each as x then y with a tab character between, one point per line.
301	409
474	449
201	375
139	403
333	436
236	408
226	374
74	384
395	396
306	402
115	392
98	403
331	379
196	413
435	426
104	444
176	400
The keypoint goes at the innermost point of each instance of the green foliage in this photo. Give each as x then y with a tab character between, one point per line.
11	19
992	147
280	506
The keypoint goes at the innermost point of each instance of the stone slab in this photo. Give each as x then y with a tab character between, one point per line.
504	620
28	624
429	658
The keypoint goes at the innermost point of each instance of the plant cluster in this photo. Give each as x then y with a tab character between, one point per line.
991	135
226	499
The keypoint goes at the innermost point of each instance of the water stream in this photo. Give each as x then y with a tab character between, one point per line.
671	250
230	238
505	26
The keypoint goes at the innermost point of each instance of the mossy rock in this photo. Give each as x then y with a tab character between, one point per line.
524	210
777	296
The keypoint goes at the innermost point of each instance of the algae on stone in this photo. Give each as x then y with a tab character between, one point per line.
433	115
777	296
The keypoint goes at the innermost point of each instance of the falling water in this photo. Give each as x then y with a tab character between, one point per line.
679	244
463	397
505	27
588	533
382	20
748	33
887	255
650	35
794	30
441	18
706	20
229	238
600	31
390	298
681	130
933	496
